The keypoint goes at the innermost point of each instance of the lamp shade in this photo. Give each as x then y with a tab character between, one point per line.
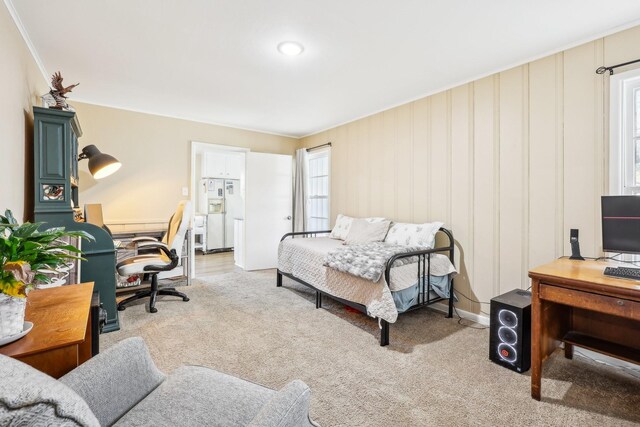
100	164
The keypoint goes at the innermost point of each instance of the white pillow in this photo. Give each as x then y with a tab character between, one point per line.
343	224
341	229
364	231
413	234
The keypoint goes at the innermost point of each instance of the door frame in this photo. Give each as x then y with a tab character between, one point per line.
198	147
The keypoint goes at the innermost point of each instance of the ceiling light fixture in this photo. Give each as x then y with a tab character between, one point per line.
290	48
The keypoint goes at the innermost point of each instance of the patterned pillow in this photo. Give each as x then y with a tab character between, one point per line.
364	231
343	224
341	229
413	234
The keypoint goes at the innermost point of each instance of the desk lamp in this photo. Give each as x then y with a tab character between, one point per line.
100	164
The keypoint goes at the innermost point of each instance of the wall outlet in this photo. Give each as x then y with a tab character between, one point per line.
185	191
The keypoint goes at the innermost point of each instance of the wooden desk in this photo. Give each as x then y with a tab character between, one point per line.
573	302
61	336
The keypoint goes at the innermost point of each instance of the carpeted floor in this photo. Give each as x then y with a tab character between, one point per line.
435	372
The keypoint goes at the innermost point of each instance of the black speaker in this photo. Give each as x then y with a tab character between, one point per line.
510	330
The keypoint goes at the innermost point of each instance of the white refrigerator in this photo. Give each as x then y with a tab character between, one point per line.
224	205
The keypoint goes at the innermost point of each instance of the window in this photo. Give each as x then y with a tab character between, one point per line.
625	133
318	186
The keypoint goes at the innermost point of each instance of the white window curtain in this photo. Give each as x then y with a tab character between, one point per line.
300	191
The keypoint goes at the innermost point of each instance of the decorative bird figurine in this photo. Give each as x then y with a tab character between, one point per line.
58	92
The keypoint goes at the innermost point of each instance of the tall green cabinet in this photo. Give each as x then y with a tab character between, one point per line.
55	177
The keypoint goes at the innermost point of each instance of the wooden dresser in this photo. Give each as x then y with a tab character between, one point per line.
573	302
61	337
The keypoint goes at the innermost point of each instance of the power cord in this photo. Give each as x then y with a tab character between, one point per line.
613	258
473	300
467	326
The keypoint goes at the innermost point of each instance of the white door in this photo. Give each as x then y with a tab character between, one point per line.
233	209
267	208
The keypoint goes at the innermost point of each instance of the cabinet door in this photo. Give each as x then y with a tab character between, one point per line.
234	166
215	165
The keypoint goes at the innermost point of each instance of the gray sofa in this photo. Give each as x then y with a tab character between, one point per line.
122	386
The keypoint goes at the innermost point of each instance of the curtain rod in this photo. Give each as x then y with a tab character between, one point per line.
328	144
603	70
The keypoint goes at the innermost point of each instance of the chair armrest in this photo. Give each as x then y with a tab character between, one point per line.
151	245
144	239
115	380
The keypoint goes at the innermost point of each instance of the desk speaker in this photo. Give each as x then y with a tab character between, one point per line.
510	330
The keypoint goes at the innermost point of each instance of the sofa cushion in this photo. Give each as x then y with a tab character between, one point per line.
198	396
29	397
288	408
363	231
413	234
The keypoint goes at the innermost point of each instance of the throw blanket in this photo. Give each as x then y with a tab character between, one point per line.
369	260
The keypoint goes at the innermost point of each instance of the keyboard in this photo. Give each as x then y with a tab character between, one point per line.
623	272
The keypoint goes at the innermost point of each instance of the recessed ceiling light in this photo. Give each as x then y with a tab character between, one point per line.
290	48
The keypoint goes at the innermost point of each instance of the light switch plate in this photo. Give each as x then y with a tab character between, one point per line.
185	191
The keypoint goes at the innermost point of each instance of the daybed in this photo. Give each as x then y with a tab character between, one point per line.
414	277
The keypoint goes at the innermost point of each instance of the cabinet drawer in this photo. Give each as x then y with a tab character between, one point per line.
600	303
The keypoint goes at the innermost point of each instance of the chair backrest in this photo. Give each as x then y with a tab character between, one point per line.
93	214
178	226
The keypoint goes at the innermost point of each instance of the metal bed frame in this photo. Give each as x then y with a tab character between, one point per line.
424	279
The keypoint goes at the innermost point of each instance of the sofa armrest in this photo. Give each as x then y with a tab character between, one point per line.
288	408
115	380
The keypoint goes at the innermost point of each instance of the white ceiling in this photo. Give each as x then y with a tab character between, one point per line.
216	61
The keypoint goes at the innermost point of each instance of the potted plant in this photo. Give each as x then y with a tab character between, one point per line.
24	253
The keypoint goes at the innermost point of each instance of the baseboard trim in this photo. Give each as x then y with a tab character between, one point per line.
474	317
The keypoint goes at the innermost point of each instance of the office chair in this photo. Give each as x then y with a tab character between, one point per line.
168	257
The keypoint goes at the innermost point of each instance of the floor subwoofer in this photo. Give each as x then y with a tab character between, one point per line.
510	330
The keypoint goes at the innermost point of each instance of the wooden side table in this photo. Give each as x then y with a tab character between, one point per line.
61	336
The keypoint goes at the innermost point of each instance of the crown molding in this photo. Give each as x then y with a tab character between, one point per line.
565	47
27	39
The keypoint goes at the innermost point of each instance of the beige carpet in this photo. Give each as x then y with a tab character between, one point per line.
435	372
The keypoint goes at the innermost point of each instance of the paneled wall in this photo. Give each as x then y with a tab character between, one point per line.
509	162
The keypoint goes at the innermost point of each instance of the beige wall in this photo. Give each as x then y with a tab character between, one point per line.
155	153
22	84
510	162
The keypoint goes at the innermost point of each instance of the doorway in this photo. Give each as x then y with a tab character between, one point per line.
218	176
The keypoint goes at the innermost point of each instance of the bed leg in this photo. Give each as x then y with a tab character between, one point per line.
384	333
450	315
318	299
279	279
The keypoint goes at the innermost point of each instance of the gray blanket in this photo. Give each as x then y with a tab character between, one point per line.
368	260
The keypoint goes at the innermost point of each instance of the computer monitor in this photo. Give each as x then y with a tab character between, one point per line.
621	224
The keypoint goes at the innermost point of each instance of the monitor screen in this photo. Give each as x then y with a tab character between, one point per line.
621	224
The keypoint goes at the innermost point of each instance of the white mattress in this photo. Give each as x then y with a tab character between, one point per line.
303	258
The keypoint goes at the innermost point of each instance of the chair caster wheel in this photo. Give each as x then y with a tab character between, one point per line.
153	310
121	308
185	299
